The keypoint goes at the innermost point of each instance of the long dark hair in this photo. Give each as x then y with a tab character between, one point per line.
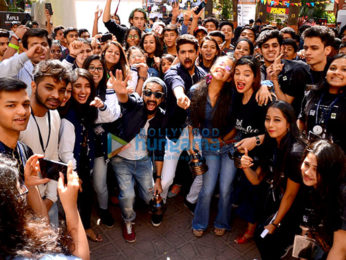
122	64
159	49
323	87
101	88
199	99
330	177
286	145
85	112
251	47
21	232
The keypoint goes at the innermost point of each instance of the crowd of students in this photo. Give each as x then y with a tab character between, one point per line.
265	107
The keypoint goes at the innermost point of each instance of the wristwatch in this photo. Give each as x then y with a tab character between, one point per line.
258	141
15	36
276	225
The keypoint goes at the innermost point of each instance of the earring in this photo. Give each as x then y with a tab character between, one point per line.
208	78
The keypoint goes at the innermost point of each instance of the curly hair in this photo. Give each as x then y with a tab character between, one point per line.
21	232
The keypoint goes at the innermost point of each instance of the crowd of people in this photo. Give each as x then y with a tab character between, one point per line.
264	108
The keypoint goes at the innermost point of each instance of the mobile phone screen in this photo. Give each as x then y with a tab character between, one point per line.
50	169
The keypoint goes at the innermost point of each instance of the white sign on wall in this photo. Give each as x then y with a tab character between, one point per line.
245	13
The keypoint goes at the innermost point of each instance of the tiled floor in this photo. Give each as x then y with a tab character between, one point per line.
172	240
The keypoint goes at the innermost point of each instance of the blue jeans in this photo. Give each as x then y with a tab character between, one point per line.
100	181
222	167
127	173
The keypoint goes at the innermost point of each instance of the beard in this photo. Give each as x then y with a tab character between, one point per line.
40	101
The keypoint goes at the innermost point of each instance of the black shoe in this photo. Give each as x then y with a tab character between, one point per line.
106	218
156	220
190	206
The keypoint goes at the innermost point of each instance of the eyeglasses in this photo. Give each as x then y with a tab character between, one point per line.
133	36
148	93
98	69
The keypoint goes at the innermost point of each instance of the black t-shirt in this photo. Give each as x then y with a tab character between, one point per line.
249	118
317	76
327	121
292	79
21	154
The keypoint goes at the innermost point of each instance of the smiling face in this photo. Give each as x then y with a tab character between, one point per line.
336	74
49	92
149	45
81	90
276	124
208	50
112	55
244	78
221	69
96	69
151	102
228	32
15	111
133	38
242	49
309	170
270	50
3	45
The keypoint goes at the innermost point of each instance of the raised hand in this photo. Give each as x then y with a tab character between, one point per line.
275	68
175	9
117	83
98	13
68	193
75	48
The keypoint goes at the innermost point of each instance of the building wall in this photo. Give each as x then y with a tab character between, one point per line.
80	13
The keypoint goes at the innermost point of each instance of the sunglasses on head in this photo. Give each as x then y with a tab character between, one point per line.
148	93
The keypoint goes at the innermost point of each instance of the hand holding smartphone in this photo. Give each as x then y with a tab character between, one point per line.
200	7
48	6
50	169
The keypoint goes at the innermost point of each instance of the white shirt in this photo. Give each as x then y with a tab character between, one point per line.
31	138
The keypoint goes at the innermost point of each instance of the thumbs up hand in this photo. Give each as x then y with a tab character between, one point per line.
246	161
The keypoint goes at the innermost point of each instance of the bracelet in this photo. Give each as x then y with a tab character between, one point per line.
143	78
158	177
16	36
13	46
276	225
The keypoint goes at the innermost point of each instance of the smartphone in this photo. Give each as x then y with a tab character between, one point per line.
49	8
105	37
50	169
200	7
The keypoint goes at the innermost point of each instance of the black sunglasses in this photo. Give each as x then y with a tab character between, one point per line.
148	93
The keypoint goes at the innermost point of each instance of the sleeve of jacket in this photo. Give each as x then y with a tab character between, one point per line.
116	29
133	101
67	142
173	80
11	67
111	111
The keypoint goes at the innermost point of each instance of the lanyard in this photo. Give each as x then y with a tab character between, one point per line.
39	131
330	107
